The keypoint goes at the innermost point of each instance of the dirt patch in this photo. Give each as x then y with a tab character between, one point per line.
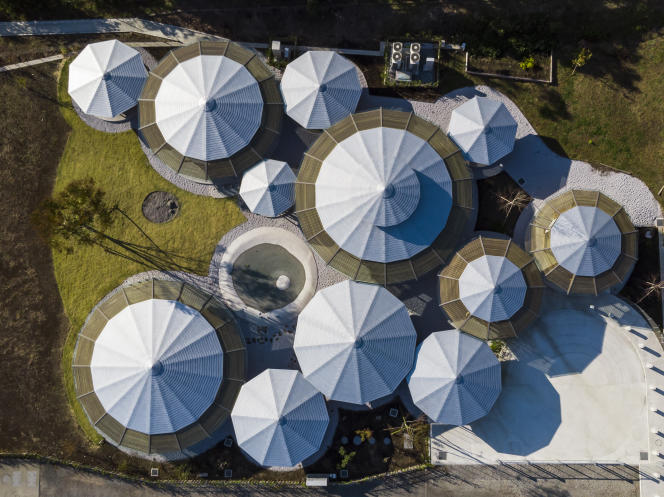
160	207
23	48
501	201
34	414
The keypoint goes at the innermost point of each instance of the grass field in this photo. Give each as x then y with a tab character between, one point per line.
119	166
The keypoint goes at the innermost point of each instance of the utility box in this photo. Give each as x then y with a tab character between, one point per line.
276	49
429	63
317	480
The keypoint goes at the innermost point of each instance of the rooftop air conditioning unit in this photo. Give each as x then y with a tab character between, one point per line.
415	48
397	46
414	58
396	58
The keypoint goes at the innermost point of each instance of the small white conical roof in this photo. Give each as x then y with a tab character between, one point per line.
157	366
484	129
456	378
279	418
355	342
492	288
208	107
268	188
320	88
106	78
586	241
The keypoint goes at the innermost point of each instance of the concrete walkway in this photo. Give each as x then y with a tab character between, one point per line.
88	26
21	65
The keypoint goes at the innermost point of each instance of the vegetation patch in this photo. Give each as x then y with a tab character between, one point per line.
118	166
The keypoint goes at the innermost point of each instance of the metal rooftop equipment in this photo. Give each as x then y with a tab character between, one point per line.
456	378
583	242
484	129
354	342
320	88
106	78
367	190
268	188
491	288
279	418
157	367
210	110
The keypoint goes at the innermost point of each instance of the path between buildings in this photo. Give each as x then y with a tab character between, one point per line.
29	479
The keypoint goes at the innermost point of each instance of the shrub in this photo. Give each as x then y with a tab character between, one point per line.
527	63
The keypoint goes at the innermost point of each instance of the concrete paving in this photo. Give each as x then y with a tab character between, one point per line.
576	392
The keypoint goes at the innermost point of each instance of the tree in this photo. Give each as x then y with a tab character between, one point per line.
512	199
581	59
79	214
346	458
652	287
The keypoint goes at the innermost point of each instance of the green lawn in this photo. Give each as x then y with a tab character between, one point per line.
610	112
120	168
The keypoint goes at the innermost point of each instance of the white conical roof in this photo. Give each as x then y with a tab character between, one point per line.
157	366
377	192
456	378
279	418
492	288
586	241
106	78
320	88
484	129
268	188
355	342
208	107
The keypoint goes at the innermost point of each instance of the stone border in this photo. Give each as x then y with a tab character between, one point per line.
276	236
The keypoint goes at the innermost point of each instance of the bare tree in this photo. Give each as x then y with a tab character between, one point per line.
652	287
512	199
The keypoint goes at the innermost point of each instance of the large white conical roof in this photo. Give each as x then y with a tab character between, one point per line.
377	192
492	288
586	241
355	342
106	78
268	188
484	129
157	366
320	88
279	418
208	107
456	378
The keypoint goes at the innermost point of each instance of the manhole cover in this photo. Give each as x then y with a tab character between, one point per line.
160	207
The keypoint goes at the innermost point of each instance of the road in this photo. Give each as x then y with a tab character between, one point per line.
29	479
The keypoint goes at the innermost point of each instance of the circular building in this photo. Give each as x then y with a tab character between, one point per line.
106	79
210	110
268	188
320	88
355	342
279	418
456	378
157	368
484	129
583	242
384	196
491	288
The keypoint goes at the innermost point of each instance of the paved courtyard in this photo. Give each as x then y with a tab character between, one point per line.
576	392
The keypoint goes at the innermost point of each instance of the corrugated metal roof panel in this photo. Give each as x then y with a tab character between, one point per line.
279	418
320	88
484	129
355	342
456	378
106	78
268	188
